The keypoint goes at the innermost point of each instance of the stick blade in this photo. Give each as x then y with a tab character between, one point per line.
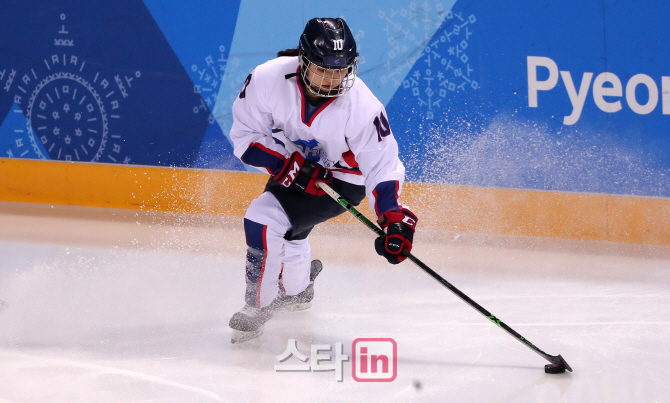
559	360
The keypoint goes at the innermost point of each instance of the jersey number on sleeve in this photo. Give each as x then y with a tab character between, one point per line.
243	93
383	128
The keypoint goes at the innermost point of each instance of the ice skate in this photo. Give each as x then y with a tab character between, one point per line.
248	323
302	301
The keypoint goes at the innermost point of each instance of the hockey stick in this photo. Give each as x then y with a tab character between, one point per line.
554	359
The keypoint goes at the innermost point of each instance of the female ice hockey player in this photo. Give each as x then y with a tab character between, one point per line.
304	118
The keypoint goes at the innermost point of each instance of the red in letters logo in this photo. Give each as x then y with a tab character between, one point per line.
374	360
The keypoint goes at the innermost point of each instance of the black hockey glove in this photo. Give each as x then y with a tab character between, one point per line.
399	226
302	174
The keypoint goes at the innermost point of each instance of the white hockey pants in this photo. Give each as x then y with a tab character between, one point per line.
269	255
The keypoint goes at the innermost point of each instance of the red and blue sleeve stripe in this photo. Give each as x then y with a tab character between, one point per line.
386	196
260	156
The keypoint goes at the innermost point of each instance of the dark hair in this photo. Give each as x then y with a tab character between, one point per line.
288	52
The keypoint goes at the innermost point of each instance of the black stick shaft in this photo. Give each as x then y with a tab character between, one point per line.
349	207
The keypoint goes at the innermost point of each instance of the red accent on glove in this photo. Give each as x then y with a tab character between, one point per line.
289	172
303	174
400	226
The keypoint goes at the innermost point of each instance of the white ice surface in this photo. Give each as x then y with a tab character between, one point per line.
111	306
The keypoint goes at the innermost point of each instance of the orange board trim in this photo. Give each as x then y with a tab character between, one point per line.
455	208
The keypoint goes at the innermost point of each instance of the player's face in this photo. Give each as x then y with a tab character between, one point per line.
325	80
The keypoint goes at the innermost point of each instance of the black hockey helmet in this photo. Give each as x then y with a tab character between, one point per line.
328	43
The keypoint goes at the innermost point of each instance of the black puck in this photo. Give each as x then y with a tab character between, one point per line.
554	369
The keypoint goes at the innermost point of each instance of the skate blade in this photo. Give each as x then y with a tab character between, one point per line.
295	307
240	336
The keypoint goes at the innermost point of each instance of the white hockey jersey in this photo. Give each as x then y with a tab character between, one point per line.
350	134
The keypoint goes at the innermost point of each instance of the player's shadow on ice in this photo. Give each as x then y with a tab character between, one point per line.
465	364
562	381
